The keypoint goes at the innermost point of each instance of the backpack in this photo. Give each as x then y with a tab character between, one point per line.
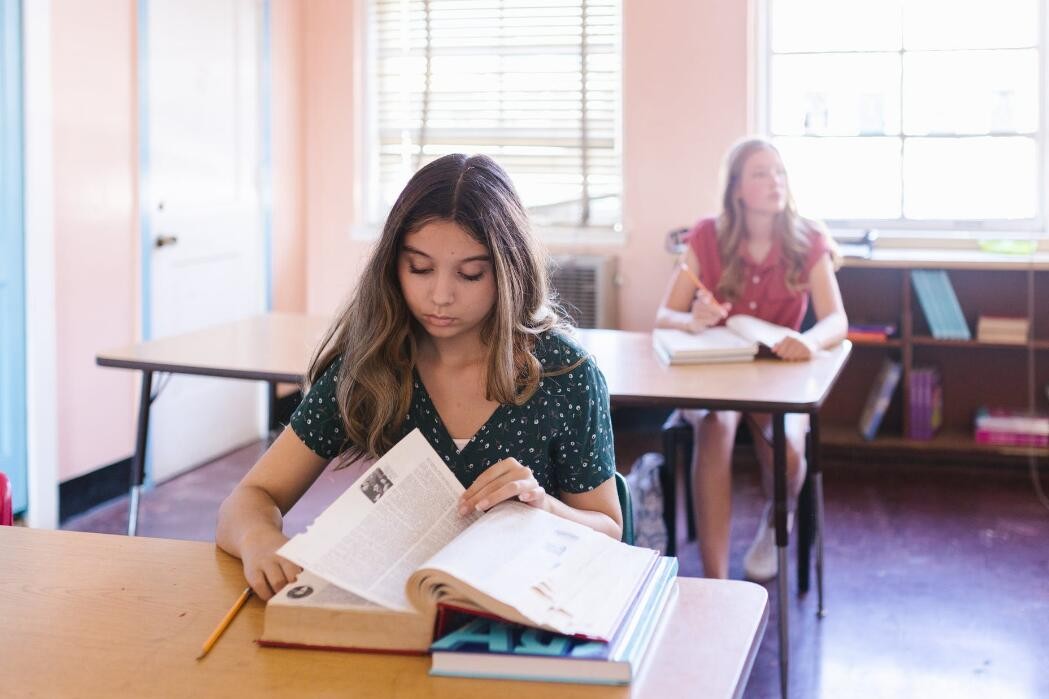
646	494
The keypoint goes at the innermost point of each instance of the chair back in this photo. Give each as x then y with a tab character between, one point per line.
627	507
7	515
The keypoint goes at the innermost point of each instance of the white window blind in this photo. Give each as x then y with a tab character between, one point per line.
910	114
533	83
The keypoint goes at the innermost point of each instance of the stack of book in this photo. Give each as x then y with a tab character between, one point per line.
926	403
392	567
1011	428
738	340
940	305
870	332
1010	331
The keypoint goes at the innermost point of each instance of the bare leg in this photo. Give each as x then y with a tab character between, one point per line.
712	487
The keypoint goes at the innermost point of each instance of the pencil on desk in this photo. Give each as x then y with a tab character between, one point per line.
226	620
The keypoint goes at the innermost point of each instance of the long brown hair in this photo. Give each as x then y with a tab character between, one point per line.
793	230
376	335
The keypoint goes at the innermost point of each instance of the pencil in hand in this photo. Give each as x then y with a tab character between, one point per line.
226	620
701	286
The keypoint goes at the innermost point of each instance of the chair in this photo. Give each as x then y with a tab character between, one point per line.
627	507
677	438
7	515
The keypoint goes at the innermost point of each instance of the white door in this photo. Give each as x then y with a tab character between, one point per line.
204	242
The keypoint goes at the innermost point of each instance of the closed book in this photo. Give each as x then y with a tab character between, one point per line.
1015	421
1011	439
488	648
940	304
878	398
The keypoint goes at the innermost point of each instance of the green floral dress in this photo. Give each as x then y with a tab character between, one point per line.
563	433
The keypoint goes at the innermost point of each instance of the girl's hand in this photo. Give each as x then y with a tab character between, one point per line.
265	571
795	348
706	312
503	480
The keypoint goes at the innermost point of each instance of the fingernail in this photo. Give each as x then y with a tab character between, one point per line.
482	506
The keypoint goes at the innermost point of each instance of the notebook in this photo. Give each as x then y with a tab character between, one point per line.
738	340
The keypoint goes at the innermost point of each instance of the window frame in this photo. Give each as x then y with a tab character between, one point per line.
933	232
372	218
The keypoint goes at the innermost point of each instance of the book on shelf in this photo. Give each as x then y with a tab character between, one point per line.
1012	331
395	540
940	305
738	340
870	332
490	648
1007	427
879	397
926	403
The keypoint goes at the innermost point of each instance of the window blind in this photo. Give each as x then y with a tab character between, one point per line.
533	83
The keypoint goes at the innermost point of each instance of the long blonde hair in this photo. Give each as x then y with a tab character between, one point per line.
793	230
376	335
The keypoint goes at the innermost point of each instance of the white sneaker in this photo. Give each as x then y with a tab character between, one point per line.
760	561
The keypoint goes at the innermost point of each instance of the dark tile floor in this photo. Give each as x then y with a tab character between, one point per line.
937	580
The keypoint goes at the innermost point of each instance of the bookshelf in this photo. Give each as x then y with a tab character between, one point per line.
973	373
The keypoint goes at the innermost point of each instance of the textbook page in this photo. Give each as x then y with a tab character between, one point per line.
396	516
758	330
550	571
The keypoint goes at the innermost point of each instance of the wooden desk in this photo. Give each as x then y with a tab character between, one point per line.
96	615
276	348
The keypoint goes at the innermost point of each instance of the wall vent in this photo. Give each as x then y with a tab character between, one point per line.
585	285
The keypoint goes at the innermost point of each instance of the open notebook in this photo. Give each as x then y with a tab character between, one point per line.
738	340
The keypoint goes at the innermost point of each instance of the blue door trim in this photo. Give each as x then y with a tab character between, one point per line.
12	255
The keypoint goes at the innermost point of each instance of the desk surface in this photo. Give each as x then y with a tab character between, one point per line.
277	347
101	615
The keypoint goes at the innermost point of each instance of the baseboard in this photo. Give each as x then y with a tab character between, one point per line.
82	493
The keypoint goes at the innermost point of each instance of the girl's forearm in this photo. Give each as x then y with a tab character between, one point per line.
678	320
829	331
248	513
598	521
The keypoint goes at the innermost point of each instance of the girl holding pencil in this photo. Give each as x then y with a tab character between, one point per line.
756	257
451	330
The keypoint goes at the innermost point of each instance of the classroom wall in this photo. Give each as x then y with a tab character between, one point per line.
685	100
94	227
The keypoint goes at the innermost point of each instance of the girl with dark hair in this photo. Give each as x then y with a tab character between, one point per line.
760	258
451	330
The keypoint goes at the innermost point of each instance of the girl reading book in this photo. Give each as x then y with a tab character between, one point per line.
760	258
451	330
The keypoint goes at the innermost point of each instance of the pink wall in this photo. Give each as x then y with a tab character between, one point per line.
685	99
94	224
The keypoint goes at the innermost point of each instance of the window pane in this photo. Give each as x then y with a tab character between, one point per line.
836	94
971	92
843	178
970	24
970	178
835	25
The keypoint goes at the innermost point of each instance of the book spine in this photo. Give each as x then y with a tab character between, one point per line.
1011	439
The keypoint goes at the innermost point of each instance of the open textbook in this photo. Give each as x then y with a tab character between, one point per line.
738	340
395	541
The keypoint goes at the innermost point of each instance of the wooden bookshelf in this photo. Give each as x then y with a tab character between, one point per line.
973	373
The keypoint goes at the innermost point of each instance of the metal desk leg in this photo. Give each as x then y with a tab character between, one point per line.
779	488
817	479
138	459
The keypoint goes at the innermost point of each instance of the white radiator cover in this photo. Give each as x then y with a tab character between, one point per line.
585	285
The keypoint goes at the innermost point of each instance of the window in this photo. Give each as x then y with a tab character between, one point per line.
917	114
533	83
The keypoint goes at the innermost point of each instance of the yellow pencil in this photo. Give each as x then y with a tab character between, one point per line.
226	620
699	285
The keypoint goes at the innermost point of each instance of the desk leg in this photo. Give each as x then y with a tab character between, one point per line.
779	489
817	482
138	460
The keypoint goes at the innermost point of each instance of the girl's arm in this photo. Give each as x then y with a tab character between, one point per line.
251	518
831	325
685	307
506	479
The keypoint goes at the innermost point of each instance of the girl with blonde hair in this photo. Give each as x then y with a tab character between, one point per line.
451	330
760	258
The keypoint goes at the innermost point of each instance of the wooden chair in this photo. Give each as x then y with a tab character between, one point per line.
7	515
